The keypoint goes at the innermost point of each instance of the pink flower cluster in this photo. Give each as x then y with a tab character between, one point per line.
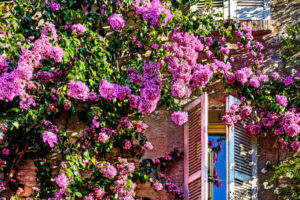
140	126
235	113
295	145
254	127
125	123
53	6
148	145
5	151
186	46
12	84
179	118
26	102
288	81
78	28
255	56
78	90
107	169
201	76
104	135
243	74
281	100
150	83
49	135
98	193
46	77
127	144
173	189
121	184
62	181
275	75
158	186
116	21
112	91
290	123
152	11
3	64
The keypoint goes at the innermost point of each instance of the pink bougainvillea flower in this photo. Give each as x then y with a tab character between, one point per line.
288	81
78	90
78	28
116	21
158	186
62	181
148	145
50	138
281	100
179	117
127	144
5	151
103	137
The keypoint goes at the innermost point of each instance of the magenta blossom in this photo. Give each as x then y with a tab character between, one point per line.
127	144
78	90
275	75
179	117
62	181
50	137
288	81
116	21
103	137
78	28
148	145
5	151
158	186
282	100
295	145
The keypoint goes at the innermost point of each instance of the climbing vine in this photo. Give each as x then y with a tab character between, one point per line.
109	63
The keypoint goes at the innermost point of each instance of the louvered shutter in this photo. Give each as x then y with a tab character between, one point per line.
218	5
252	9
195	149
241	160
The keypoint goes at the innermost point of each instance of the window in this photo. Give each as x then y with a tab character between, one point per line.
239	163
241	9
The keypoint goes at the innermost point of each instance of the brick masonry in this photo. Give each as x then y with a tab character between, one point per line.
165	135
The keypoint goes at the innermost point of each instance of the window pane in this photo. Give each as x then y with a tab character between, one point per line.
217	177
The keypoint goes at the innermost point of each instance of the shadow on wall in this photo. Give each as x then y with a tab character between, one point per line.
282	14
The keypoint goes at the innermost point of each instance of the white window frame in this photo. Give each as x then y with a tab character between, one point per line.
252	12
230	159
231	173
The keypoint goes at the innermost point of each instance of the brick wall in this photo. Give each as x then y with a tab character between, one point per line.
165	136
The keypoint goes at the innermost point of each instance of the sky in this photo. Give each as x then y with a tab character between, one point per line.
220	193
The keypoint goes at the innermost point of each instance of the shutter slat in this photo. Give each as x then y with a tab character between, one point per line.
250	3
194	191
195	140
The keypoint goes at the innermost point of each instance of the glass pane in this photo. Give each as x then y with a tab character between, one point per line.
217	177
